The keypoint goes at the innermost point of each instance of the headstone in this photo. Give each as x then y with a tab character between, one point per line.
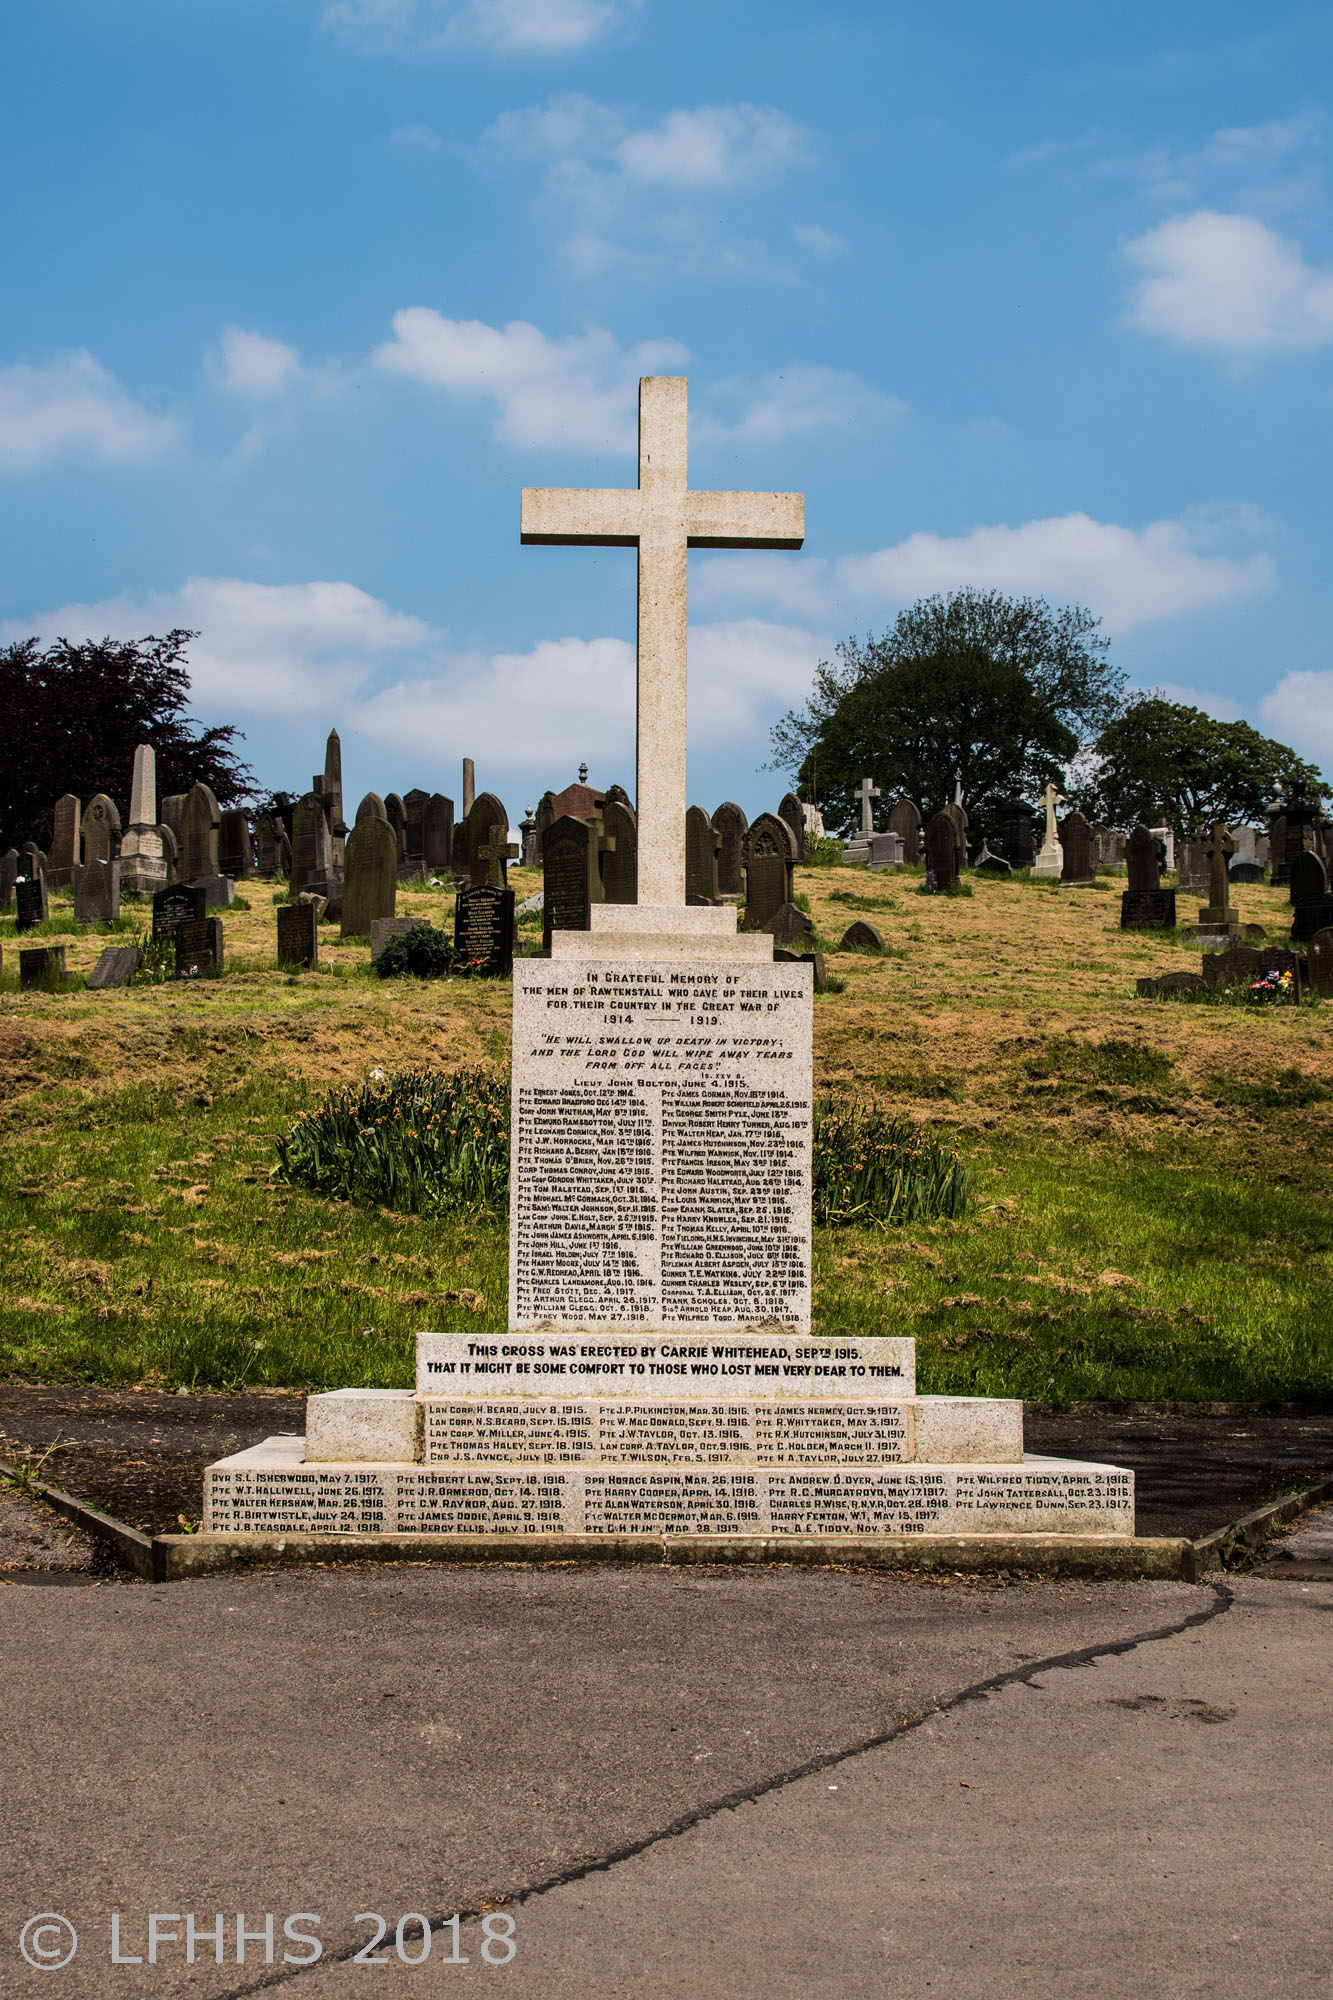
1247	871
1171	982
1017	832
101	829
235	849
484	931
1245	965
769	856
39	962
489	848
415	803
730	823
1312	906
861	936
1050	859
32	861
620	853
396	813
546	817
793	813
66	839
1077	867
578	801
960	826
791	930
702	843
9	869
333	789
1299	823
1108	847
528	855
370	875
145	863
116	967
97	892
173	815
991	864
570	880
886	850
814	821
181	904
1192	862
219	891
941	845
298	934
1167	839
1321	964
198	947
200	823
267	827
469	786
1246	841
30	904
1146	905
384	928
858	848
439	833
1217	919
372	807
312	846
905	821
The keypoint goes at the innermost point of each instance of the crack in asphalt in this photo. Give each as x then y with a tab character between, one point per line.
828	1760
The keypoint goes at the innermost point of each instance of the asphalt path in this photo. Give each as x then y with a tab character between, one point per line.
743	1782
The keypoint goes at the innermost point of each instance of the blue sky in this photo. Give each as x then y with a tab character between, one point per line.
299	293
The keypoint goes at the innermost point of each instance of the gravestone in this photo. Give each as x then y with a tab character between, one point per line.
861	936
469	785
960	826
312	846
145	863
39	962
992	864
439	833
571	884
1247	871
546	818
484	931
730	823
905	821
267	829
32	861
528	855
198	947
858	848
66	842
941	847
792	813
333	792
489	848
370	875
101	829
620	853
1050	859
1312	906
396	814
298	934
97	892
1108	847
183	903
415	803
1018	839
9	869
702	843
1299	820
219	891
769	855
1192	862
200	824
1171	982
173	815
384	928
1077	867
1146	905
791	930
1277	844
116	967
1321	963
235	850
30	904
886	851
1244	965
1217	919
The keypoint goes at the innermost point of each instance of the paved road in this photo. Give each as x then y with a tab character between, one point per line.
683	1784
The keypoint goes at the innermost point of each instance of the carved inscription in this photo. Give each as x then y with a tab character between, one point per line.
536	1431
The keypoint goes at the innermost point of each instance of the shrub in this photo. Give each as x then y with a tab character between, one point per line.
418	1140
869	1167
822	853
423	952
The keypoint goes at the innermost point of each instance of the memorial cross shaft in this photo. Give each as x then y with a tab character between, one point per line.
662	519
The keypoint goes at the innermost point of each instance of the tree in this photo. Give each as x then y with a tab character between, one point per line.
1002	691
1159	760
71	718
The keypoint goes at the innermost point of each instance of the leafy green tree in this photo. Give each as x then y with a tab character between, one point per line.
1160	760
71	718
1000	692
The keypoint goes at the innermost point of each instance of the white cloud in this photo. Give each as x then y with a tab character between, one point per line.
72	405
821	242
579	393
742	672
416	138
1221	707
1230	282
254	365
1127	576
803	399
719	145
1299	711
509	27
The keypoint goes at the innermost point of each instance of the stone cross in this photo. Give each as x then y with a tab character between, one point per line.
495	851
662	519
1051	798
1219	849
867	791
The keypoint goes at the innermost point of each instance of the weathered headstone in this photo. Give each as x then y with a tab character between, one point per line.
298	934
32	861
1050	859
1312	906
702	843
30	904
1167	983
1108	847
484	931
960	827
267	827
1245	965
1217	919
1146	905
1077	866
333	791
370	875
861	936
1321	964
200	825
546	817
1298	827
791	930
469	785
905	821
312	846
571	883
489	848
992	864
173	815
198	947
171	854
66	842
372	807
145	864
183	903
1192	862
415	803
219	891
235	849
858	848
528	854
730	824
396	813
886	851
9	869
769	855
41	962
116	967
101	829
97	892
384	928
1017	832
941	844
439	833
619	843
793	813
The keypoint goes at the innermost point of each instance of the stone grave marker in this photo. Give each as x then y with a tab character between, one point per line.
372	807
415	803
439	833
1017	832
396	814
267	826
312	846
384	928
66	842
219	891
489	848
791	930
1146	905
199	946
1242	964
960	826
97	892
769	854
546	818
1077	865
9	870
571	883
469	785
183	903
298	934
730	825
101	829
702	843
116	967
886	851
39	961
30	904
145	863
1050	859
484	931
200	827
992	864
333	791
32	861
941	845
235	849
1217	919
619	853
1170	982
905	821
370	875
1299	819
861	936
1321	963
1312	905
1192	862
173	815
793	813
858	848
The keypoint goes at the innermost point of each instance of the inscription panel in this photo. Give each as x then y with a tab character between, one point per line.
694	1368
549	1432
661	1145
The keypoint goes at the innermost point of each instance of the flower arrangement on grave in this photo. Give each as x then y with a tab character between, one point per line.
1273	986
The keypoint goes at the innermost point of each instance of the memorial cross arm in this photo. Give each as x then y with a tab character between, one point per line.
745	520
574	516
